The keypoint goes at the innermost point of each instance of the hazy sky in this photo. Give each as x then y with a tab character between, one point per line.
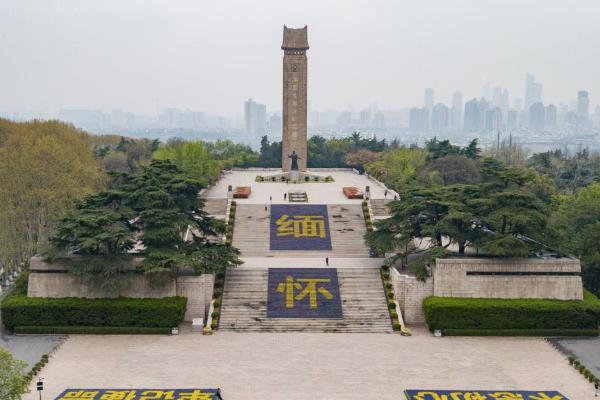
212	55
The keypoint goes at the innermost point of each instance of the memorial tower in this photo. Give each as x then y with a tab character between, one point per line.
294	140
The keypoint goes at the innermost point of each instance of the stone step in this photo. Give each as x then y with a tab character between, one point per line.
215	207
251	233
364	306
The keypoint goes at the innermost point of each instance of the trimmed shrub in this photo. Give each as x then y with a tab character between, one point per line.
447	313
92	330
22	311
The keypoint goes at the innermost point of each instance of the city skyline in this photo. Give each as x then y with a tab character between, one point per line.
255	117
189	56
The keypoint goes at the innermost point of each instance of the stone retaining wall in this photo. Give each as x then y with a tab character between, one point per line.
410	294
53	280
489	278
510	278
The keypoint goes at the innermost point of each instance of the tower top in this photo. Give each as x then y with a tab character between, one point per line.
295	39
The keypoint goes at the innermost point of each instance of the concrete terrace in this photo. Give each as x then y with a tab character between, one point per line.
318	193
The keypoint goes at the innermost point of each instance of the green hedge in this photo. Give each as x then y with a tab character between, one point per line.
451	313
18	310
91	330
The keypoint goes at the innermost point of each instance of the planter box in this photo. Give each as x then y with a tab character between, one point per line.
352	192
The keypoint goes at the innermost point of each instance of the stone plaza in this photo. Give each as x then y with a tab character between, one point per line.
311	366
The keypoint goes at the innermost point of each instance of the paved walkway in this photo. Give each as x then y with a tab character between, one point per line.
309	262
299	366
587	350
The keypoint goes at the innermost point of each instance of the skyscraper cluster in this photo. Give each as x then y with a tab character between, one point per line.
436	117
492	113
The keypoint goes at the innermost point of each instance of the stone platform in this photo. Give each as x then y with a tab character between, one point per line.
318	192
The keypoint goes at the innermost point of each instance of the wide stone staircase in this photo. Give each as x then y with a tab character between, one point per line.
379	207
251	233
364	306
216	207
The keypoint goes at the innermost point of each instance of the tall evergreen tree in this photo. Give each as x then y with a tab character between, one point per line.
161	211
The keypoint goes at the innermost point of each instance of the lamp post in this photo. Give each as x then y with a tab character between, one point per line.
40	386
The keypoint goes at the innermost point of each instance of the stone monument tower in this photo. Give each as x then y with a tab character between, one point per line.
295	44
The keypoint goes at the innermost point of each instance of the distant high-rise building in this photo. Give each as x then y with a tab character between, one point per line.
500	99
551	116
365	117
419	120
583	109
537	116
533	91
439	118
472	116
497	96
483	107
571	118
512	119
597	116
429	98
255	116
493	119
379	120
456	115
583	104
524	118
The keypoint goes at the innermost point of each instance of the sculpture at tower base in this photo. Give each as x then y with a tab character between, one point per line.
295	159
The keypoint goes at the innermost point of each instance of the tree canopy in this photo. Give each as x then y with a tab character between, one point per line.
500	216
575	220
194	158
44	167
12	380
157	209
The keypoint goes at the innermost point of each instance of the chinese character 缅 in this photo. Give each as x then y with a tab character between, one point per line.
289	287
301	226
